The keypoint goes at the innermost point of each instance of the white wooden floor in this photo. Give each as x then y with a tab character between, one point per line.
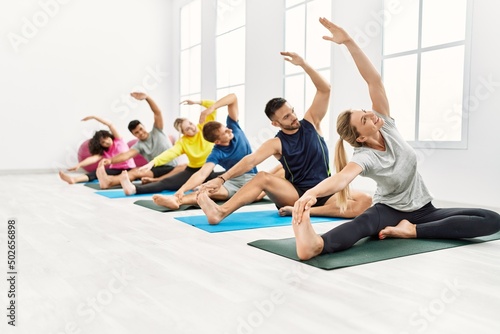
88	264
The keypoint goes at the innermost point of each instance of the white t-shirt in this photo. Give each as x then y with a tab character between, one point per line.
399	185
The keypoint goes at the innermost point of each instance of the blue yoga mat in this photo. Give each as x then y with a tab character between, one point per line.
246	221
121	194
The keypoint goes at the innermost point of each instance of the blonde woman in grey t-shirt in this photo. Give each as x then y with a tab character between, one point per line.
402	204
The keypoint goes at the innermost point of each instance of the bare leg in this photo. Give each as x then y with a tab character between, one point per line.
280	191
127	185
356	205
308	243
404	230
73	179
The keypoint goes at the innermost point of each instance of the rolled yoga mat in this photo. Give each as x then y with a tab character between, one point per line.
367	250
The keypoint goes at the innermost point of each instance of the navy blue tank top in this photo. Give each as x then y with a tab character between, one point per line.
304	156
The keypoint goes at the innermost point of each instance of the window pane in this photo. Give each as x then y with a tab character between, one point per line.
317	49
443	21
191	112
190	70
231	58
310	92
290	3
230	15
240	94
191	24
441	94
294	93
401	26
295	35
400	80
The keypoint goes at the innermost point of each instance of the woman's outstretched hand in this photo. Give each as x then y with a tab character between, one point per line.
339	35
303	204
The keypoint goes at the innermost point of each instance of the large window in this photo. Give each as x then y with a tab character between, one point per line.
301	36
230	53
190	62
425	69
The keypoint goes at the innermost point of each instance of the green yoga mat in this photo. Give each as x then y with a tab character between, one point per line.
148	203
367	250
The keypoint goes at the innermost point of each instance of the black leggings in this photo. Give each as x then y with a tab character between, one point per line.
93	175
173	182
431	222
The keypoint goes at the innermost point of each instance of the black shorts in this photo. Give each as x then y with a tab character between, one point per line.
161	170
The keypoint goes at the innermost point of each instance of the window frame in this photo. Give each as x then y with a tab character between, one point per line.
433	144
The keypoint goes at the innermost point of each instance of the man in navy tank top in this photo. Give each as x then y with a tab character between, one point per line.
300	148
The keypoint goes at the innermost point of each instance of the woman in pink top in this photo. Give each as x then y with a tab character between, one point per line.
104	144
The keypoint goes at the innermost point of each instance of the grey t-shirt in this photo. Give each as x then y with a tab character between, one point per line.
154	145
399	185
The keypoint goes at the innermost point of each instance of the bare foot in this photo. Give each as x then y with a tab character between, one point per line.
404	230
285	211
146	180
210	208
103	177
170	202
127	185
66	178
308	243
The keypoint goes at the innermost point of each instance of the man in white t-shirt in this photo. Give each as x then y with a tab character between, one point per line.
149	145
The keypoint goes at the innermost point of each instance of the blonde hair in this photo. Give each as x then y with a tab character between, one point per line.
178	123
348	133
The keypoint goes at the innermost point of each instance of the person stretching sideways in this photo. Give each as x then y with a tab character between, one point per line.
301	150
403	207
231	145
190	143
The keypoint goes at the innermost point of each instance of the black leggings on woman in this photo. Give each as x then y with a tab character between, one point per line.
173	182
431	222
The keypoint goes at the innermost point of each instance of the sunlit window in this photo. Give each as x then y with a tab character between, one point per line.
425	69
190	57
301	36
230	53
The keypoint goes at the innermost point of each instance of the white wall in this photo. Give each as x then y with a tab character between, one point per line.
90	54
63	60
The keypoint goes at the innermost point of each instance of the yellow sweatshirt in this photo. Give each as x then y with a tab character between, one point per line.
196	148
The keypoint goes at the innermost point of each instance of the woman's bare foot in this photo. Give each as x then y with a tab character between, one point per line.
103	177
127	185
66	178
210	208
170	202
285	211
308	243
404	230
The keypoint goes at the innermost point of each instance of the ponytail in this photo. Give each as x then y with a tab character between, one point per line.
348	133
340	163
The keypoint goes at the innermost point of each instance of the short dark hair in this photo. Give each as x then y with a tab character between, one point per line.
210	130
273	105
95	142
133	124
